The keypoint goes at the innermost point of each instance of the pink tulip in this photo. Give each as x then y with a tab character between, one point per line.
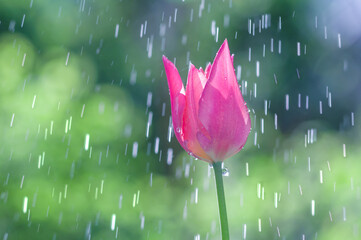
210	118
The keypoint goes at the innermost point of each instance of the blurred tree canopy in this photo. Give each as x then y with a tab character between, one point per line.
86	137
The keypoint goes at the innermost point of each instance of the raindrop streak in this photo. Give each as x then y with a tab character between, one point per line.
34	99
86	144
344	150
116	31
247	170
257	68
67	59
276	121
339	40
259	225
287	102
276	199
135	150
12	120
313	207
25	204
169	156
23	62
298	49
112	225
244	231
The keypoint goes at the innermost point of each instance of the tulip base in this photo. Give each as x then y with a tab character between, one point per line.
217	166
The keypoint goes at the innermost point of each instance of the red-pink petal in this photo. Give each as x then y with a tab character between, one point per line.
191	123
208	70
222	110
177	98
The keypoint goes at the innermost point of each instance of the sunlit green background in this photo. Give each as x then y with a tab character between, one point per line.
72	70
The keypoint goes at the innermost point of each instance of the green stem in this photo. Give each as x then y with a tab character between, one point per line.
217	166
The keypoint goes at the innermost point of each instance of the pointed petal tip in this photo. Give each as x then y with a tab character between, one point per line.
165	59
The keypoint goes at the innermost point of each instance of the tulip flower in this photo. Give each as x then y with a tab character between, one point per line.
210	118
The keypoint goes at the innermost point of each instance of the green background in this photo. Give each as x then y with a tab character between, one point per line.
76	68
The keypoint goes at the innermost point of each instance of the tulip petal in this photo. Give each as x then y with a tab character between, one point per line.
177	98
222	110
208	70
191	124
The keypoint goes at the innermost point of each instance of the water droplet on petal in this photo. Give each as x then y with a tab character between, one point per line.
225	172
178	130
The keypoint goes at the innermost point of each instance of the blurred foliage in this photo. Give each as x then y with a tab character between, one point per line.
77	70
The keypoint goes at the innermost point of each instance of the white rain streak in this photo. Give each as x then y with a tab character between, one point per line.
149	99
247	169
321	176
307	100
257	69
175	15
259	225
276	121
344	150
150	46
23	62
112	223
86	142
316	21
325	32
170	129
67	59
141	30
239	72
352	119
279	47
321	107
255	90
116	33
12	120
298	49
276	199
156	145
244	231
287	102
135	150
169	156
213	28
249	54
22	21
25	205
313	207
142	220
279	23
149	123
133	77
344	214
34	99
339	40
262	125
329	100
196	196
271	48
